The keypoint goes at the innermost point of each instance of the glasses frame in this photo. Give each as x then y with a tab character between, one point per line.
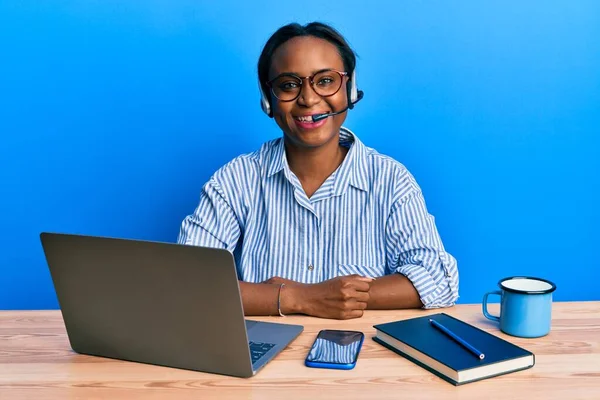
310	80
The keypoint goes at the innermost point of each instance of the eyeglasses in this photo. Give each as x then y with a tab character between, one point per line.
287	86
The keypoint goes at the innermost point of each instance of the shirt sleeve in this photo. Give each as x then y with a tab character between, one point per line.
213	223
415	250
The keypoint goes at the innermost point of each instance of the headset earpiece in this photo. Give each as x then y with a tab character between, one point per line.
264	101
354	95
352	91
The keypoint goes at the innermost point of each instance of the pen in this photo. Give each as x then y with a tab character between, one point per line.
458	339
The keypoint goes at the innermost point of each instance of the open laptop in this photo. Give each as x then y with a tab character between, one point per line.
158	303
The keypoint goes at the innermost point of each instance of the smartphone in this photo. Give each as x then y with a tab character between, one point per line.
335	349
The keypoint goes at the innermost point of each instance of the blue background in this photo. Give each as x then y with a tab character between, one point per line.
114	113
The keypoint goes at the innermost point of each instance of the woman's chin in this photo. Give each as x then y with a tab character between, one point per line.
310	139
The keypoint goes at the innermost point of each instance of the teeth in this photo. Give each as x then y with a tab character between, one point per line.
304	119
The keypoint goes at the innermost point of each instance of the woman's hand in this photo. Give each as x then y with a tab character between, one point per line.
343	297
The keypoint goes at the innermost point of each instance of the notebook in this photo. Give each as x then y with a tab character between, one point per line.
419	341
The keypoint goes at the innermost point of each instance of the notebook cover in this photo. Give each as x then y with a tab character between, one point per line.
419	334
419	363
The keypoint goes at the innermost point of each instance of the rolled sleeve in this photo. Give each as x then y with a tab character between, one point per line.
415	250
435	289
213	223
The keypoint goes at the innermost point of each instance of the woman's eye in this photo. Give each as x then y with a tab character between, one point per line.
287	86
325	81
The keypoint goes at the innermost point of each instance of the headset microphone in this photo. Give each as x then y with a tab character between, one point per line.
319	117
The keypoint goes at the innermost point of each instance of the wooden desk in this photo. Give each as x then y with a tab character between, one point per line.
36	362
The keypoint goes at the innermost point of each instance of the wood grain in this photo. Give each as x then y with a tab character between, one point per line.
36	362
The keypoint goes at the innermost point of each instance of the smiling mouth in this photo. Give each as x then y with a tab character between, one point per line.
308	118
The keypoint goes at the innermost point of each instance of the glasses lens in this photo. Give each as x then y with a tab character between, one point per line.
327	83
286	88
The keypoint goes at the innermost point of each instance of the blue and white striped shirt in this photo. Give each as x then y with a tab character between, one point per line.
367	218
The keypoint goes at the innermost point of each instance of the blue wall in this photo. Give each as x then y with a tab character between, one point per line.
114	113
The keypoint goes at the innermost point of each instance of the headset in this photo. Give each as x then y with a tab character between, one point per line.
354	96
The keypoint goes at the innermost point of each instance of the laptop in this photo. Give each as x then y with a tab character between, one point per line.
158	303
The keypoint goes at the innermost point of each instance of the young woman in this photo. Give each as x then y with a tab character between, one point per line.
320	224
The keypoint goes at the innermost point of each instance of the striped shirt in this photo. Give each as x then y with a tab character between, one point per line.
367	218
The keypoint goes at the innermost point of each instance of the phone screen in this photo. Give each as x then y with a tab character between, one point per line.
335	347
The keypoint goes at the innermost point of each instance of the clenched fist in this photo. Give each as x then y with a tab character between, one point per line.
343	297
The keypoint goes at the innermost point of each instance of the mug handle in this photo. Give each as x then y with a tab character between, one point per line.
484	306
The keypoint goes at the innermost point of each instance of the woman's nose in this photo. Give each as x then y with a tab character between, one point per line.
308	97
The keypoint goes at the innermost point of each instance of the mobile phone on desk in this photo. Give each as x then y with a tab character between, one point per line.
335	349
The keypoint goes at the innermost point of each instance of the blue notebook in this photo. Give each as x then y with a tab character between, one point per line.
419	341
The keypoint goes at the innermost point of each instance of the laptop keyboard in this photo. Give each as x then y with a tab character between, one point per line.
259	349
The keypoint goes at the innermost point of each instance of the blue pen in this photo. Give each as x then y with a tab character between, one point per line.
458	339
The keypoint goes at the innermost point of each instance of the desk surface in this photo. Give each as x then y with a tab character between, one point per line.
36	362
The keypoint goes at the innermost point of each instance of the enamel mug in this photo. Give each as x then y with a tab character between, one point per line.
525	306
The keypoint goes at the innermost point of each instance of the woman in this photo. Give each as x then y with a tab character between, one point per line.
320	224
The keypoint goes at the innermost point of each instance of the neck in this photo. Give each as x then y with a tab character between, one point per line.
313	166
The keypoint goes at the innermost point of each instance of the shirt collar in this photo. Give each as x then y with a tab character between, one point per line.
353	170
277	159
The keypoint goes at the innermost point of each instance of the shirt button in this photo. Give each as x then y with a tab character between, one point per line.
310	267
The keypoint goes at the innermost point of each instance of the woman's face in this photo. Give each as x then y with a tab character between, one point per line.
303	56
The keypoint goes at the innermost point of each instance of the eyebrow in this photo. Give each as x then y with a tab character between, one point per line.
298	75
